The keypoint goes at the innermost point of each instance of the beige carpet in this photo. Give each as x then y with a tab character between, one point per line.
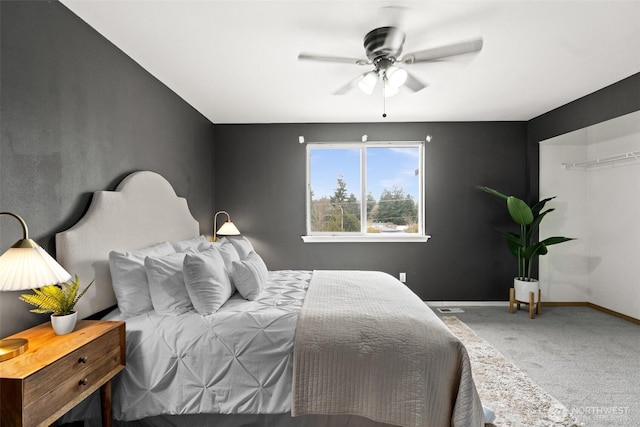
502	386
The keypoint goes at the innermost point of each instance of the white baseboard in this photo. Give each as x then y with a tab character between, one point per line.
467	303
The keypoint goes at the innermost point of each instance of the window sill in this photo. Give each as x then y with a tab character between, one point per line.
359	239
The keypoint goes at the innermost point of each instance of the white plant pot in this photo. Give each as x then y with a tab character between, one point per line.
63	325
523	287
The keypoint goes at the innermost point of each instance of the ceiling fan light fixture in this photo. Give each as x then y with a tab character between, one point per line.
396	76
368	82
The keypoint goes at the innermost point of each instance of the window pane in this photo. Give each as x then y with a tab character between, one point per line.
393	185
335	181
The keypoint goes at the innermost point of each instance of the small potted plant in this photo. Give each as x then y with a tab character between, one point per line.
60	301
524	245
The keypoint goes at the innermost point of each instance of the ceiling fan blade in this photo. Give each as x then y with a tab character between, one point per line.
324	58
436	53
413	83
348	87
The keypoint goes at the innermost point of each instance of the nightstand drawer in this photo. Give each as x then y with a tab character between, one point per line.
80	362
76	386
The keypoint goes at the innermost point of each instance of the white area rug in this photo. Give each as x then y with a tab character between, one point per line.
502	386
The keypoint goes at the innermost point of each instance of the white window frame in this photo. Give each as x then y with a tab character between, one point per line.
363	236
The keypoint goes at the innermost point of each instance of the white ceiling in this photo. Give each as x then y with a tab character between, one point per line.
236	61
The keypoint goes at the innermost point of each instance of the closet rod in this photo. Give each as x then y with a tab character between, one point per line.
630	155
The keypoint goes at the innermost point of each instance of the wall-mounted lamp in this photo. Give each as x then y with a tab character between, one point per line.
428	138
227	229
301	139
25	265
364	138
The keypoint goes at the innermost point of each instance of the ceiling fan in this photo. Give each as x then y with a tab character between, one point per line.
383	48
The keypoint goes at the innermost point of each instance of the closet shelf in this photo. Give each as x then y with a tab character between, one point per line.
622	157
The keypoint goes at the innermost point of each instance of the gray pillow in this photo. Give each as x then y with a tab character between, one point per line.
184	245
206	280
229	255
208	245
250	276
243	246
129	278
166	284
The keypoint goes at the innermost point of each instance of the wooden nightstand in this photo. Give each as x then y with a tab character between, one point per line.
58	371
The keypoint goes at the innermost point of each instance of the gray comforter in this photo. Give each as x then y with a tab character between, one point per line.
367	345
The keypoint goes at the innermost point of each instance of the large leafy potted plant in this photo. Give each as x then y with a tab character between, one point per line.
60	301
524	245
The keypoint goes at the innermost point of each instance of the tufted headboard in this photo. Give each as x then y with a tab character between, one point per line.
142	211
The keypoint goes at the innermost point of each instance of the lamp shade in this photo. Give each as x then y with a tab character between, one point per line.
228	229
27	266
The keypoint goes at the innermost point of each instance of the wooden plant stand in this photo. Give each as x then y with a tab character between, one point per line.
533	307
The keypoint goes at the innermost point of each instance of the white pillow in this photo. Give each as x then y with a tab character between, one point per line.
129	278
208	245
250	276
206	280
184	245
166	284
229	255
243	246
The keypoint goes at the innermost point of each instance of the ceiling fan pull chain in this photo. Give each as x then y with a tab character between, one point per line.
384	105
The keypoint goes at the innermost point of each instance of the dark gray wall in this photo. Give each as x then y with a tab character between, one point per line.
260	181
77	115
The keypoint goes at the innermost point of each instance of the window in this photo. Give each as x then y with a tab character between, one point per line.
370	191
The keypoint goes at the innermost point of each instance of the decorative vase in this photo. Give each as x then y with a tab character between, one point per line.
65	324
523	287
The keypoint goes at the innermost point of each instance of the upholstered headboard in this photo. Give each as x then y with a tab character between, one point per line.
142	211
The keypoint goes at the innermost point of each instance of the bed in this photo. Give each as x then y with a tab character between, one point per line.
214	338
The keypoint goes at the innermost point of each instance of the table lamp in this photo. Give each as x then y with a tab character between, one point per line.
227	229
25	265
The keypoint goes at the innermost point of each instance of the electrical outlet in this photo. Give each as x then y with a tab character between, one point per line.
403	277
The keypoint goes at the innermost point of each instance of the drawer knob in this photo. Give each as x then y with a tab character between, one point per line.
83	359
83	382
